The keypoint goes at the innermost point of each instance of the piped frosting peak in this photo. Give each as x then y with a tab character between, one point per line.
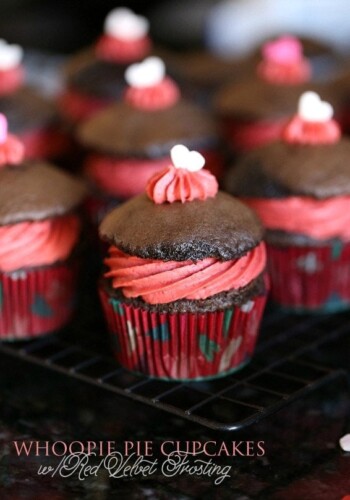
313	123
11	148
185	180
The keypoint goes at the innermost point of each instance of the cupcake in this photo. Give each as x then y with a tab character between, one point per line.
184	288
31	117
253	111
95	77
130	141
39	237
300	188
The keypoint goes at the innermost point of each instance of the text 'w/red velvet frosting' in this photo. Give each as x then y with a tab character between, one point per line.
11	148
149	88
125	37
183	181
284	62
313	123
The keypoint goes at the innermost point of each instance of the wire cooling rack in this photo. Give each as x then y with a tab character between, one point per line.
286	366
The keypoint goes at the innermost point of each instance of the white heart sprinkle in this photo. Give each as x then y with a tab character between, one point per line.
123	23
182	157
10	55
312	109
147	73
345	442
247	307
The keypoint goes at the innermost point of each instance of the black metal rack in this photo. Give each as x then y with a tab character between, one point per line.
286	366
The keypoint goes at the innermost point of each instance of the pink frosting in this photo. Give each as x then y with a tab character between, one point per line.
11	80
299	131
178	184
163	95
283	62
159	282
122	51
318	219
11	151
30	244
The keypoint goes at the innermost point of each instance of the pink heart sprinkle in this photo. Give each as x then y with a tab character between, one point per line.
286	49
3	128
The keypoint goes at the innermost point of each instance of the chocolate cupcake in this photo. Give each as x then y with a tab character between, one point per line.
300	188
31	117
130	141
95	77
253	111
39	235
184	290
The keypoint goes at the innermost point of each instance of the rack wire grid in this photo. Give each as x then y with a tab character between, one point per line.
285	367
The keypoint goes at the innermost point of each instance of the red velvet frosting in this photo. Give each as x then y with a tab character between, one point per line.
162	95
178	184
11	80
122	51
284	63
318	219
30	244
159	282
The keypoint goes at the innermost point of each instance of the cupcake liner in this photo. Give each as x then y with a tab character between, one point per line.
76	106
36	301
183	346
310	278
245	136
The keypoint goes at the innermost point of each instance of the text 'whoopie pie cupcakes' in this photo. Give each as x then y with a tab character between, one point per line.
300	188
254	110
31	117
130	141
39	235
185	288
95	77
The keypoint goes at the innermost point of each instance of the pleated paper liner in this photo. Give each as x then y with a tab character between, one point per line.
307	279
36	301
183	346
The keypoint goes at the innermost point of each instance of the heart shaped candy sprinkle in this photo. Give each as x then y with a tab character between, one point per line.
10	55
148	73
312	109
182	157
123	23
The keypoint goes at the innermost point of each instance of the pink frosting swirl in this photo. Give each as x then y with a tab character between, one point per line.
30	244
159	282
119	50
318	219
178	184
299	131
11	149
160	96
284	63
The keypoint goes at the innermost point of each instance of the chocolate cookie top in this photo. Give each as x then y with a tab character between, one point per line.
101	79
125	130
36	191
254	99
219	227
27	110
279	169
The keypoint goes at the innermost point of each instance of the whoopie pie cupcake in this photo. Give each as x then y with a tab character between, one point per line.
254	110
39	237
33	118
300	188
95	77
184	288
130	141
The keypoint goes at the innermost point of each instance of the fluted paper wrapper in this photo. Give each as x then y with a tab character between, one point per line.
36	301
183	346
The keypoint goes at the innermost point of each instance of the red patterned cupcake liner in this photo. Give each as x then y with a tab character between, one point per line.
310	278
245	136
183	346
36	301
76	107
48	143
